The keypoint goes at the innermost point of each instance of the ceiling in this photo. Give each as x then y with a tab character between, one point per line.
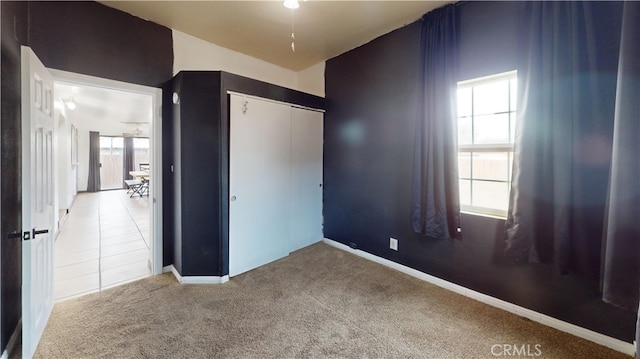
110	112
262	29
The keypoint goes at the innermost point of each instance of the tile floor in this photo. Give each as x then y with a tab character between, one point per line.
103	242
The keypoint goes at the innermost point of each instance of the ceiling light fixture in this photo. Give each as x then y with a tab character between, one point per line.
291	4
69	102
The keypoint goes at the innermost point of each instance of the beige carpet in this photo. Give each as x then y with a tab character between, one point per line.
319	302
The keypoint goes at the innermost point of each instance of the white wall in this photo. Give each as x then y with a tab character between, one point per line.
83	155
65	196
191	53
311	79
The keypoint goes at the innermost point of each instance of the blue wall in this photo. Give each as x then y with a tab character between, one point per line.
369	131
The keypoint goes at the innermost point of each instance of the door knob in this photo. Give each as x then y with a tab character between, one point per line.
233	198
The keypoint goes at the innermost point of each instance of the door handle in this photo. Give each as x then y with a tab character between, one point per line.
233	198
34	233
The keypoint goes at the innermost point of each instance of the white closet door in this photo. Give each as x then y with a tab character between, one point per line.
306	177
258	183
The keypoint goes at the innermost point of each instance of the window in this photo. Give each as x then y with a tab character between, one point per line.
111	159
141	147
486	127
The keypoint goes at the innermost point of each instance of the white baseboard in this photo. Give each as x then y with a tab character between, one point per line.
13	340
604	340
195	279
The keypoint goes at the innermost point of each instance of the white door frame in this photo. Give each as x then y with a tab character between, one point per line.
155	187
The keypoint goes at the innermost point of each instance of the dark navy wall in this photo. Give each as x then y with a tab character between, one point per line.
492	49
168	114
90	38
368	150
14	34
196	180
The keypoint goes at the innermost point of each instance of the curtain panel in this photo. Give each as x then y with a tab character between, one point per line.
128	161
621	257
435	206
93	181
563	137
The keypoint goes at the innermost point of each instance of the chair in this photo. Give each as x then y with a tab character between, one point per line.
144	187
134	186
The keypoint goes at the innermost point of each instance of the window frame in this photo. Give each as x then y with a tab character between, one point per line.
495	148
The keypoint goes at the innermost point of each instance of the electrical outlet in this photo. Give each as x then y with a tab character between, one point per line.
393	244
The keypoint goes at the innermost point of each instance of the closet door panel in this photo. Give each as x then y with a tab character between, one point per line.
306	177
259	183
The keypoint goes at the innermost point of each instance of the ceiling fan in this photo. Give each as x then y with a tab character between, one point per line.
135	133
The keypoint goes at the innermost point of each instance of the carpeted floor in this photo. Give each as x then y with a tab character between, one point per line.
319	302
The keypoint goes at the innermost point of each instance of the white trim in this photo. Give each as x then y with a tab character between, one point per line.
513	74
155	187
494	147
274	101
195	279
13	341
73	78
155	190
470	212
171	269
483	211
604	340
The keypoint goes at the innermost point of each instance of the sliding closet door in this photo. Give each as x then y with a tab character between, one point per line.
259	165
306	177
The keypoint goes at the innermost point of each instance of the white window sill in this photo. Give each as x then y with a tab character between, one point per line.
504	218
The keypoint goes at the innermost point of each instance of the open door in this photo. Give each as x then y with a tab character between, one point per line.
37	200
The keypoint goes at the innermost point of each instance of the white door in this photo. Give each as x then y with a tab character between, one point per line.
306	177
37	200
259	163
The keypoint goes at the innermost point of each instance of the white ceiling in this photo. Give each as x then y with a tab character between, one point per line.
111	112
262	29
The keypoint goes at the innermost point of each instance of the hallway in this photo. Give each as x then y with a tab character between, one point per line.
104	241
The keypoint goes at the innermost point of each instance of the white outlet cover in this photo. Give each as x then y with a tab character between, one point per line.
393	244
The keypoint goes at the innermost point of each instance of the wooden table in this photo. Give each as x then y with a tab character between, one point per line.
139	174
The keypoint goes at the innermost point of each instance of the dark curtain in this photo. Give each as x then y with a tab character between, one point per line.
435	207
128	161
93	183
621	259
563	135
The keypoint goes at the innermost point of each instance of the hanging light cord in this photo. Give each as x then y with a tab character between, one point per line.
293	36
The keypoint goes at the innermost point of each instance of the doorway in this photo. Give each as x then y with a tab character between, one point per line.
132	215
